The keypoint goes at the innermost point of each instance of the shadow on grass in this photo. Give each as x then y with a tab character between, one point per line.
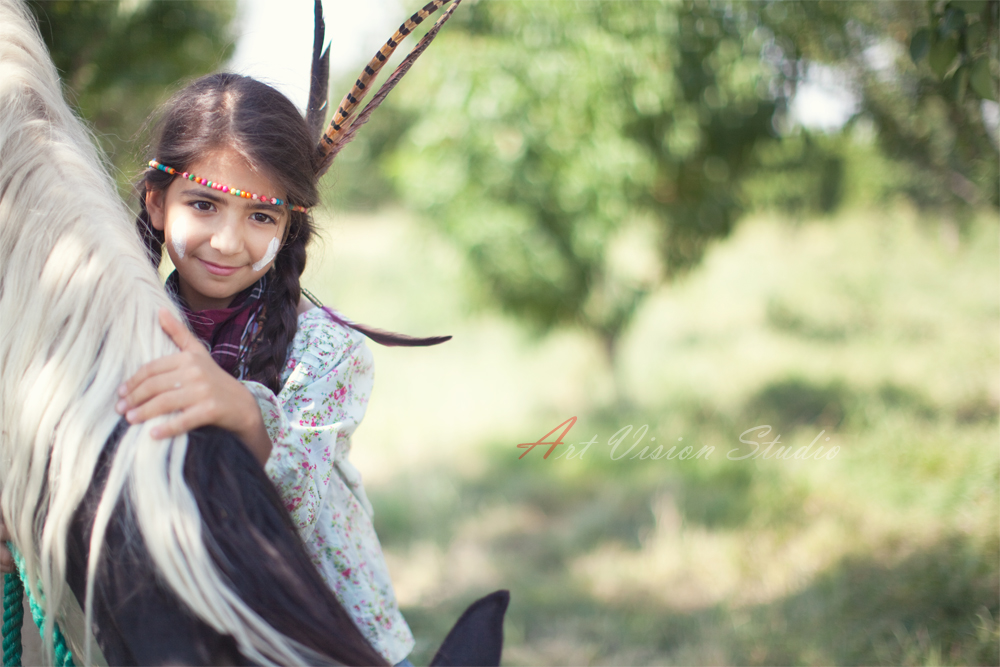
936	606
893	602
797	402
584	502
793	402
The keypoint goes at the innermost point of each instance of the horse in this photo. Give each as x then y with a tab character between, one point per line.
178	551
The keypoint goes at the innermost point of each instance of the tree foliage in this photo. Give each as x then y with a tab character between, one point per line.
583	152
958	45
921	71
118	60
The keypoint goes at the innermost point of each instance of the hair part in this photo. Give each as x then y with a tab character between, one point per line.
232	111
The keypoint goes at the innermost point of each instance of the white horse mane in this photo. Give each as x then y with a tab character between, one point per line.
78	315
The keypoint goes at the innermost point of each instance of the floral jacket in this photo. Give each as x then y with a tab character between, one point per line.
327	382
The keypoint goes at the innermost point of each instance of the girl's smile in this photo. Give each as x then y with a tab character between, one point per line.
220	244
219	270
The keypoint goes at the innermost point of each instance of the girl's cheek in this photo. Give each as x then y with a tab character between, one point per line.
271	253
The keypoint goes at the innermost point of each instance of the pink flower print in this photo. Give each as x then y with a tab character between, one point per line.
339	393
346	573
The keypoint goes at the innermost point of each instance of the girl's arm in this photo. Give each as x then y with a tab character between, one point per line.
312	419
194	387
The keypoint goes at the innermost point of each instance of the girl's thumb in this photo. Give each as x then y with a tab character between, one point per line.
177	331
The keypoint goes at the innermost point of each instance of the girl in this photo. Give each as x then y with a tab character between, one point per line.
227	195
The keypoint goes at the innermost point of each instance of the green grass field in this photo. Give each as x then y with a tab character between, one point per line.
874	330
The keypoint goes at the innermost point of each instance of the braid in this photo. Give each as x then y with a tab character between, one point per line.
267	358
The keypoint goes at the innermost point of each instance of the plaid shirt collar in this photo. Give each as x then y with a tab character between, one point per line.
229	333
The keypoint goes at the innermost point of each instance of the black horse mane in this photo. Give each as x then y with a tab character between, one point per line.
250	538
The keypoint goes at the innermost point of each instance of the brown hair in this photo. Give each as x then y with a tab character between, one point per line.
262	125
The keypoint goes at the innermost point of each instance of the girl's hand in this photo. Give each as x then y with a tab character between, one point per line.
6	557
191	383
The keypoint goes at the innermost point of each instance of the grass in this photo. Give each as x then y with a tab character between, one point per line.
870	328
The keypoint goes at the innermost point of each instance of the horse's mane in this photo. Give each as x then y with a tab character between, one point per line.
78	315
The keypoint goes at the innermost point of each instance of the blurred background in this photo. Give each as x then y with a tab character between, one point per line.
675	222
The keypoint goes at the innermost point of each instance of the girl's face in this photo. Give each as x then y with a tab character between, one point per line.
220	244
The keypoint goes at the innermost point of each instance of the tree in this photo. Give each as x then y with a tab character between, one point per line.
581	153
119	60
921	71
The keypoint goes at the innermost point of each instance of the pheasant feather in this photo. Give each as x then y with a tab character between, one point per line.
347	135
334	138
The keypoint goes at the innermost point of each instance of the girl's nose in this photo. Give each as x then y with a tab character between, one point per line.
228	238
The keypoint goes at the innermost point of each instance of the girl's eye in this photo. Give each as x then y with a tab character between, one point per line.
262	218
201	205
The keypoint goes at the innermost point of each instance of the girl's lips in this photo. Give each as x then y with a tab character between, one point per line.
219	270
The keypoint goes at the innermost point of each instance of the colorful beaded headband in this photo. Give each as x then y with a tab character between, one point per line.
225	188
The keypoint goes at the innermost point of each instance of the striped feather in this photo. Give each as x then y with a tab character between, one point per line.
332	137
348	134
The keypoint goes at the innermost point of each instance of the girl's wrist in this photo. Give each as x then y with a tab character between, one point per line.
252	432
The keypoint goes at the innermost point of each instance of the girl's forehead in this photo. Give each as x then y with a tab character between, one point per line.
227	167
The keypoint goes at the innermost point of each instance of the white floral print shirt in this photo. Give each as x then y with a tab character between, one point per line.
326	385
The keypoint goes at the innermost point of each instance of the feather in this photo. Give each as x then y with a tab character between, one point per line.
381	336
347	135
331	139
319	77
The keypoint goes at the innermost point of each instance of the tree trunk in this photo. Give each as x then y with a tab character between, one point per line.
609	343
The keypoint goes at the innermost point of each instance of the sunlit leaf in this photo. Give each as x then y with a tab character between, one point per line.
959	83
942	55
981	81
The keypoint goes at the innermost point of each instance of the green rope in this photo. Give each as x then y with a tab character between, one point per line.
13	617
13	589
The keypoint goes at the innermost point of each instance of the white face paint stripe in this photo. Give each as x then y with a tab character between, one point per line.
272	252
178	238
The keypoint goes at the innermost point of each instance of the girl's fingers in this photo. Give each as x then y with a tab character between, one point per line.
179	333
157	385
189	386
152	369
164	403
188	420
183	338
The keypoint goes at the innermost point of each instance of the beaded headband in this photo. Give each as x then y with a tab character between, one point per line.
342	127
225	188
